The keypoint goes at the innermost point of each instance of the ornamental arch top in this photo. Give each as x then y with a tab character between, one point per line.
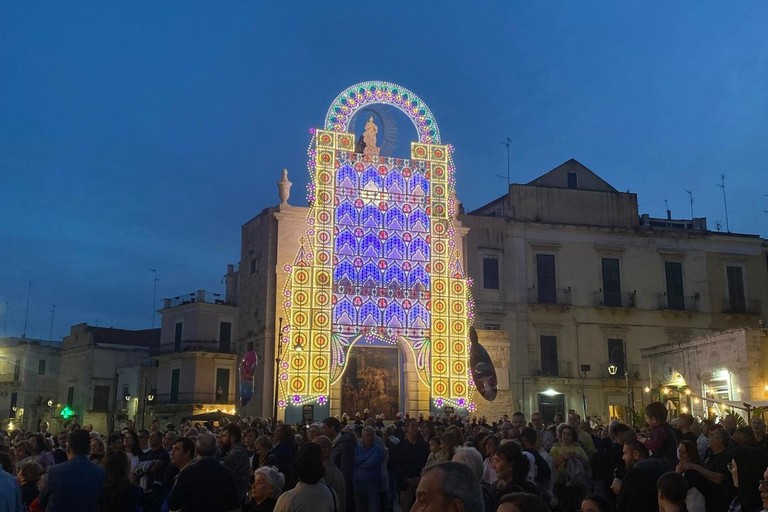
356	97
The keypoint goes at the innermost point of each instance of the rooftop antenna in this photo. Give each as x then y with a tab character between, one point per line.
507	143
26	313
154	295
53	311
690	197
725	202
669	212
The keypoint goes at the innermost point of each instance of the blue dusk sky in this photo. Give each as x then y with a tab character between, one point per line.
142	135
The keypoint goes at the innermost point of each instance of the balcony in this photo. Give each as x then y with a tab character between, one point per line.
741	306
200	296
193	398
195	346
615	299
564	369
688	303
553	296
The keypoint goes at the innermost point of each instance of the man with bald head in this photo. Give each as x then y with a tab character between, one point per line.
206	485
333	476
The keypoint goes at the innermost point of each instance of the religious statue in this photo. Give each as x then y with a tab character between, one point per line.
369	138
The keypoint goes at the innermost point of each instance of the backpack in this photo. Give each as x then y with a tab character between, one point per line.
575	475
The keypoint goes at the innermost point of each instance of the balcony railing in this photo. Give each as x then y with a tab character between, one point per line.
193	397
741	306
195	346
555	296
679	302
615	299
564	369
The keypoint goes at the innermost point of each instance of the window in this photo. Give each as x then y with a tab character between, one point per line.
492	327
674	274
616	356
222	385
573	180
14	403
549	355
545	278
101	398
225	336
17	371
177	336
41	367
175	379
611	283
70	395
490	273
737	302
253	266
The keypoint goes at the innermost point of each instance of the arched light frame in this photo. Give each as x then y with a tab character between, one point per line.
358	96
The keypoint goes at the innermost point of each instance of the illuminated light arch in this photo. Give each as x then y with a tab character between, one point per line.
358	96
380	251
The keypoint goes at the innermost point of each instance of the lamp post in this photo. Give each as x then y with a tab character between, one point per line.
583	374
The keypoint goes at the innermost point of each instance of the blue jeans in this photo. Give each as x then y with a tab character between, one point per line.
367	495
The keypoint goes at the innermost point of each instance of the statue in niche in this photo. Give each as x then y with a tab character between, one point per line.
369	138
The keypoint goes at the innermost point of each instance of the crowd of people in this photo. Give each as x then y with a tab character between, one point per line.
446	463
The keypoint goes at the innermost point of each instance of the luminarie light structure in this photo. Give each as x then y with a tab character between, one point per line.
379	263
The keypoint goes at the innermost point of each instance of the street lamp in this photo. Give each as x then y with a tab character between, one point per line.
148	399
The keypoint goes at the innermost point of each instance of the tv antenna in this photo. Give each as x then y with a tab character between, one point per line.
690	197
507	143
5	321
53	312
26	313
725	203
154	295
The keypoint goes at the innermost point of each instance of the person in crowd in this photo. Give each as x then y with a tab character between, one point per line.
236	458
41	451
427	430
729	423
131	448
22	453
367	472
685	423
182	453
743	437
152	466
531	443
436	454
410	458
571	463
284	449
314	430
537	423
583	438
267	486
636	492
746	470
75	481
205	485
687	451
97	449
119	493
720	490
511	467
10	493
342	454
333	477
449	486
143	436
169	439
263	455
60	452
661	441
672	490
758	430
702	442
310	492
491	445
596	503
29	476
470	457
114	443
522	502
763	488
250	436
